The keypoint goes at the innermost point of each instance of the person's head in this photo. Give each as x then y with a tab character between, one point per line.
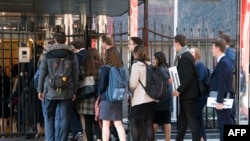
159	59
107	41
48	41
113	58
92	58
225	37
218	47
60	37
196	53
140	53
179	42
77	44
134	41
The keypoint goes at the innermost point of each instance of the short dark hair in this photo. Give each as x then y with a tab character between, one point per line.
181	39
225	37
60	37
221	44
136	40
77	44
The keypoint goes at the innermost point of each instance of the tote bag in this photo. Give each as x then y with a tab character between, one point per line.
87	88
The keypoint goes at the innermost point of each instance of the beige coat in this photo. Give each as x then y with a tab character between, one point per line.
139	96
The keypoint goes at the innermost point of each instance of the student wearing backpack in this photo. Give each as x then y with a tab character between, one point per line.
110	111
39	117
187	92
86	107
133	42
203	74
164	108
142	110
57	87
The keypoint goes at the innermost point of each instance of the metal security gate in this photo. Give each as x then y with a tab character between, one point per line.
19	51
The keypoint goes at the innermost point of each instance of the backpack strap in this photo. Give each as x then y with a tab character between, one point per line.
144	87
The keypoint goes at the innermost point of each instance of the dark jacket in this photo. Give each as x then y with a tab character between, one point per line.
5	88
58	50
231	54
103	81
221	79
203	74
167	102
81	55
187	75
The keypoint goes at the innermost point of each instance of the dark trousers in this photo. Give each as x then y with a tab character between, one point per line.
224	118
89	124
188	116
200	104
75	123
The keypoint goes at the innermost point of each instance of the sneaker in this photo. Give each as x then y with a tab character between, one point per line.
70	136
78	135
80	138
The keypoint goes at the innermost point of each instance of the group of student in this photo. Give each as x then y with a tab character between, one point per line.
146	113
60	111
220	81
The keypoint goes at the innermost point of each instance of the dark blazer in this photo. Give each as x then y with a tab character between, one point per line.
188	78
103	81
167	102
221	79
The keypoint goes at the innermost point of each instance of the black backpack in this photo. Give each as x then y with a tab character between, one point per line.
156	86
60	70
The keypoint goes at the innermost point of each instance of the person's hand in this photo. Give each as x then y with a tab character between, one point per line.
176	93
40	96
74	97
219	106
170	81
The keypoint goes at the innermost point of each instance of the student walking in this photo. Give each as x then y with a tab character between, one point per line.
110	111
164	107
57	93
221	83
86	106
187	91
142	110
203	73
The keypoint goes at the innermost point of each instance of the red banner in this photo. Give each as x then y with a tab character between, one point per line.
244	24
133	18
244	34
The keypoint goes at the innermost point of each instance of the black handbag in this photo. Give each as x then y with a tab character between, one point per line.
202	84
203	88
87	88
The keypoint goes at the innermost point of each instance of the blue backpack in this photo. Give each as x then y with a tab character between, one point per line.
118	83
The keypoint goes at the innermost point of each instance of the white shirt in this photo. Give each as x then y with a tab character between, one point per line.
218	59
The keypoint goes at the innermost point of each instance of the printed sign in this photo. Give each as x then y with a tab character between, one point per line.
175	77
227	104
24	54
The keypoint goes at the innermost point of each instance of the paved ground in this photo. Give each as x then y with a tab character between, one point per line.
23	139
159	138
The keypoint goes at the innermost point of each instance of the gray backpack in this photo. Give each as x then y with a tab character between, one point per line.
60	70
